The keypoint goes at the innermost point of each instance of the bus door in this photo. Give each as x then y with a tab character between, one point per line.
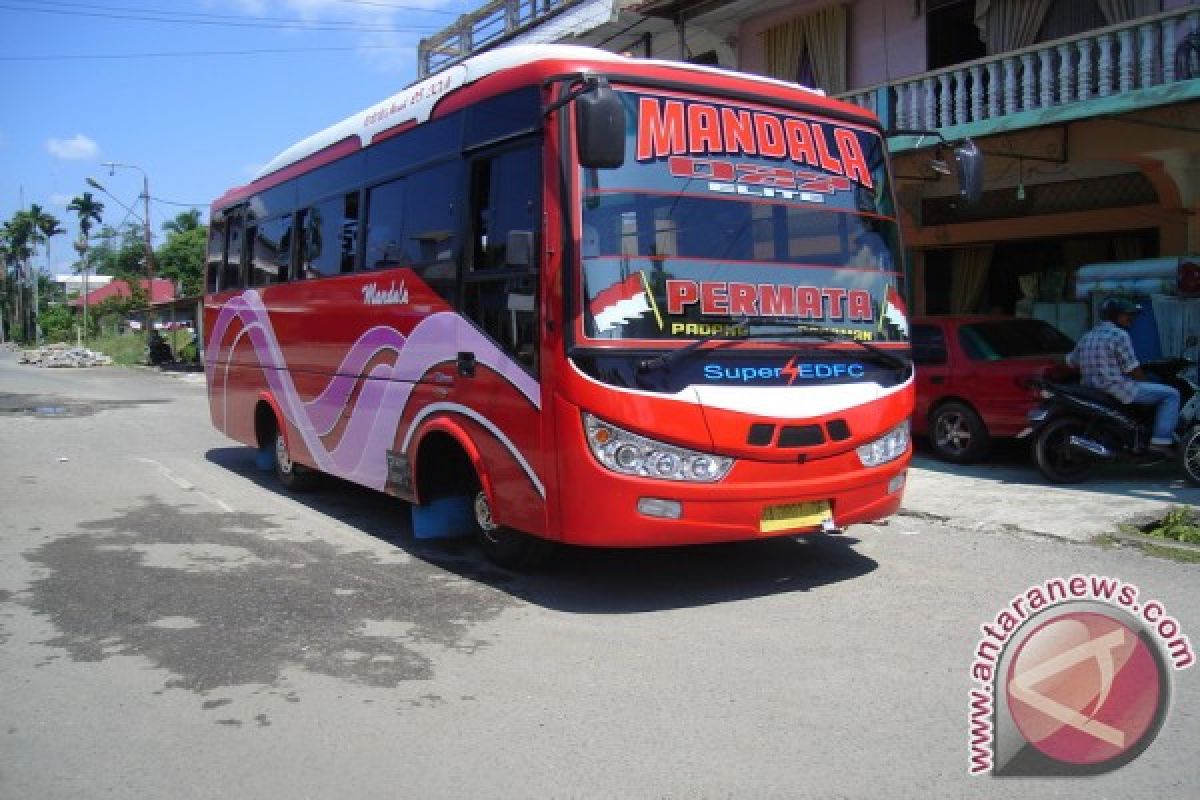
498	363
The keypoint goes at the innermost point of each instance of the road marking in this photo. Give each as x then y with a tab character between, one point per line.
186	485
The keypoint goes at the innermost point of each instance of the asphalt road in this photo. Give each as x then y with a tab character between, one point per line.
173	625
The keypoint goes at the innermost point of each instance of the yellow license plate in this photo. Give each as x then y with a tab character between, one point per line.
794	515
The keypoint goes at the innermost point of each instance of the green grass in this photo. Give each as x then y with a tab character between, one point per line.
124	348
1173	553
1180	524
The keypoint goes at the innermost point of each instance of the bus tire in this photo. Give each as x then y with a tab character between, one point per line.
294	477
506	547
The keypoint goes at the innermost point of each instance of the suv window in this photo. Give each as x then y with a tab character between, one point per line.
1012	338
928	345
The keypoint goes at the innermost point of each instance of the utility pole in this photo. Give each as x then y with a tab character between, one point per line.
149	256
149	243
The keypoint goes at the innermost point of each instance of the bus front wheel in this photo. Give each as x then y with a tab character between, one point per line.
504	546
295	477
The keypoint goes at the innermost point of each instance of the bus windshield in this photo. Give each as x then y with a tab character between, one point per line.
735	219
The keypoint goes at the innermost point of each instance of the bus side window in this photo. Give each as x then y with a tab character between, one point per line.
428	222
216	253
385	243
231	273
271	251
328	234
501	297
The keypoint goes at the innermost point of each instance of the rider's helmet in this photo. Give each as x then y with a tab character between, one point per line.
1113	307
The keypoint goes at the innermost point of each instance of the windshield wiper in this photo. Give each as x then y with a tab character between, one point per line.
665	359
881	355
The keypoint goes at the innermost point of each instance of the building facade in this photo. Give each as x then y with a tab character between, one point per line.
1087	111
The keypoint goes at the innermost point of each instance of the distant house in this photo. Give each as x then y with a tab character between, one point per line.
73	284
160	290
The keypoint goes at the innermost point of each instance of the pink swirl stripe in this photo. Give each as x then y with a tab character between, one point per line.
360	454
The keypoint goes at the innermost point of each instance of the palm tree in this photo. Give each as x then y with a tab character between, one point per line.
45	227
184	221
18	232
89	210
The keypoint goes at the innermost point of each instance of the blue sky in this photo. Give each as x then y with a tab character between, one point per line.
88	81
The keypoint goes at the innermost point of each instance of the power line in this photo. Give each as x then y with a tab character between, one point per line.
194	53
177	203
107	7
218	20
398	7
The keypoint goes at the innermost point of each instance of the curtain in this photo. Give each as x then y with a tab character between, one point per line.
969	271
1080	252
1028	284
1069	17
1006	25
1116	11
784	45
1127	248
825	38
918	284
819	36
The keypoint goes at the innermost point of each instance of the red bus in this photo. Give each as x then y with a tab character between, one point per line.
592	299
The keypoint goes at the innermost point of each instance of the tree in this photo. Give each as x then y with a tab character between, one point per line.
184	221
89	210
120	252
181	258
20	233
45	226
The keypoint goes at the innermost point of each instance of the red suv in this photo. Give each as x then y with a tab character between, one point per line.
973	377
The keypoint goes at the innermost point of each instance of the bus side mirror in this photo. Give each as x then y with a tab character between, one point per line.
969	162
600	127
518	249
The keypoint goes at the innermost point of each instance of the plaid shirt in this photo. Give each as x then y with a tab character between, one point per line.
1104	355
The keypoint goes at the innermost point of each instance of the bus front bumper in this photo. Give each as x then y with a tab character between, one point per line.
606	510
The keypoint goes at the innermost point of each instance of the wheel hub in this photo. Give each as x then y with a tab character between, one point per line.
483	516
281	455
952	433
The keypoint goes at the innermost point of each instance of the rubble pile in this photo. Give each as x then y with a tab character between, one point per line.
60	355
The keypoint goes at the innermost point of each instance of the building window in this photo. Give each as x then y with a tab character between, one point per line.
950	33
811	48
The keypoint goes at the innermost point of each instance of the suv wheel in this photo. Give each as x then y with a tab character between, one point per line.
957	434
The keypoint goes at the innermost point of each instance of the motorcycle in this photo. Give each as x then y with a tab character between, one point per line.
1076	427
158	352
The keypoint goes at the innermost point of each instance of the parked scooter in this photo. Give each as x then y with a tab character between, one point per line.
158	352
1076	427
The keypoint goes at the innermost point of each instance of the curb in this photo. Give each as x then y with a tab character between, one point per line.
1141	540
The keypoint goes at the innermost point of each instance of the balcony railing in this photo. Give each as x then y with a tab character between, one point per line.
490	24
1147	52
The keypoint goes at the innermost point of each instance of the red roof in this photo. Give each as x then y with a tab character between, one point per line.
161	291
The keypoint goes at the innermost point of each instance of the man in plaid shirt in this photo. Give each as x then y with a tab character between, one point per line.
1107	362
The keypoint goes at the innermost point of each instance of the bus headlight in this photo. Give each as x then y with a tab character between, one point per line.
630	454
888	447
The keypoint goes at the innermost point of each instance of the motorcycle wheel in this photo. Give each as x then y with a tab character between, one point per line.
1189	455
1055	458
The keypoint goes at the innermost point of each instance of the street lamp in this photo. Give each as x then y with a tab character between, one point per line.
113	166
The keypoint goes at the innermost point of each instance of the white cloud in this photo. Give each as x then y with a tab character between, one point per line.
73	149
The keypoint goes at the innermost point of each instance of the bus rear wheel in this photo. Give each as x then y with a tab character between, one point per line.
504	546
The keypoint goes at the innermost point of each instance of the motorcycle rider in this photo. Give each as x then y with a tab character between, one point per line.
1105	358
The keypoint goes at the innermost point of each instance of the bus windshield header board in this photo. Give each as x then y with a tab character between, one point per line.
729	217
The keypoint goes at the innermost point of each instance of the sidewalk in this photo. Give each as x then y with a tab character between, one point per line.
1006	493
